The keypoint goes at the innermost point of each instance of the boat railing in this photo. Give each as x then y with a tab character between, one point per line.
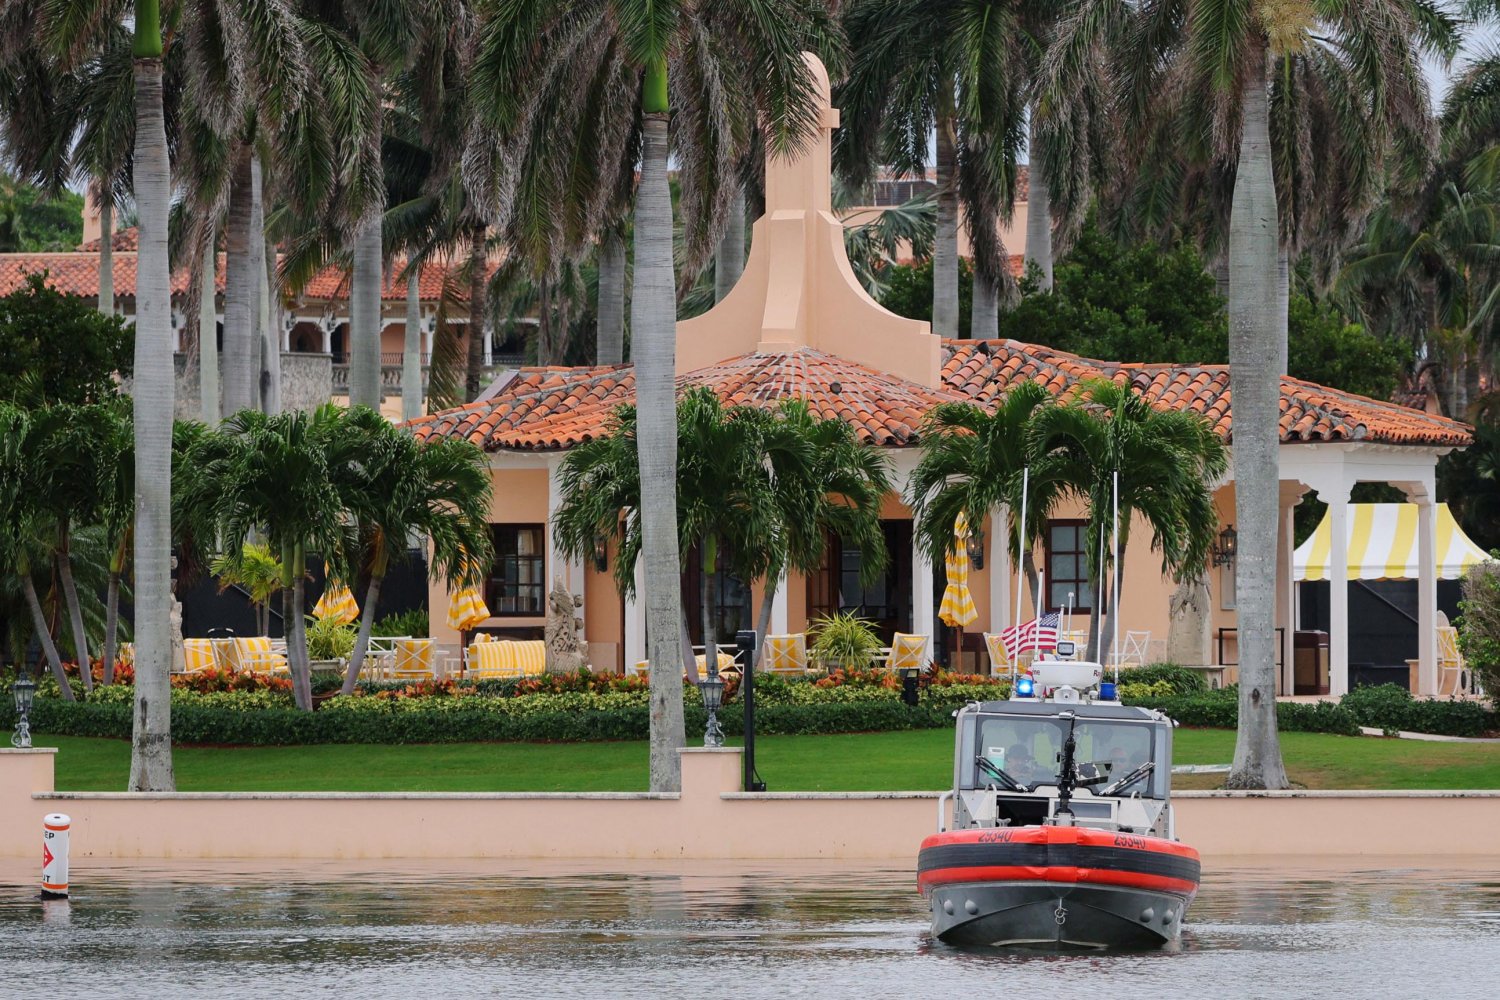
942	803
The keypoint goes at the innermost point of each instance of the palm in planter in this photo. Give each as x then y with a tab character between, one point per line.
844	640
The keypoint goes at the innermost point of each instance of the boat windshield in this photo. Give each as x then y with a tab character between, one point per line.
1029	749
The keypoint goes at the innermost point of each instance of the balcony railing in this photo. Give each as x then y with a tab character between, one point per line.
391	374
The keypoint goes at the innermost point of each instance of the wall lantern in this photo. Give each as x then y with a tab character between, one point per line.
1226	547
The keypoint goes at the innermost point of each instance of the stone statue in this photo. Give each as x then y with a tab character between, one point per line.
1191	619
565	649
179	658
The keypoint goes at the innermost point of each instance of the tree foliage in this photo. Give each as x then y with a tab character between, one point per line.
58	348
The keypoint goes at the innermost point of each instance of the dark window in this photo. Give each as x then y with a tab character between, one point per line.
836	586
1067	566
516	584
731	601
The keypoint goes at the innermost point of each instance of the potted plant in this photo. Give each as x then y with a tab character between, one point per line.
329	643
844	639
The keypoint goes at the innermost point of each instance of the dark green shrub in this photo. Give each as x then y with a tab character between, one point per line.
1221	710
1391	707
1182	680
413	623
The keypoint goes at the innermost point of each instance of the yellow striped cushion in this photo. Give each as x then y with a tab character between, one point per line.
726	662
255	654
413	658
530	657
998	657
908	652
197	654
492	660
641	668
786	654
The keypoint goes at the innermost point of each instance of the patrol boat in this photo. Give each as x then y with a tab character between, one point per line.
1062	834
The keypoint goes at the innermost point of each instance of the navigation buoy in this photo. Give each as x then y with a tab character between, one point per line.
55	829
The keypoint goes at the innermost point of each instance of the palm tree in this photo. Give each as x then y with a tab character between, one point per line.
397	489
276	481
515	44
1167	463
257	571
151	746
950	67
1208	63
24	535
975	461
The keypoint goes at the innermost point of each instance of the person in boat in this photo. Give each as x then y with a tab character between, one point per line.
1021	765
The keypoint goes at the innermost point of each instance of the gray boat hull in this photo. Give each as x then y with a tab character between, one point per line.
1057	915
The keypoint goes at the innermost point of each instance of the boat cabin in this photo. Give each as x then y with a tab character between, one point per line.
1008	764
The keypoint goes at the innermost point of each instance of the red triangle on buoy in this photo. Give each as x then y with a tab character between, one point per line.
46	856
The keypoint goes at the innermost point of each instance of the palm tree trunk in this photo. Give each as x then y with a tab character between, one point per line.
296	645
706	612
111	623
268	379
1254	383
44	636
1283	299
208	336
151	743
106	251
653	324
364	309
411	356
362	640
239	293
1038	213
478	279
610	349
984	324
945	238
75	613
763	620
730	262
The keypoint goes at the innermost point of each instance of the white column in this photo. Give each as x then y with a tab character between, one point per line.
1338	589
997	564
489	344
1427	672
635	619
557	568
286	333
326	327
1286	588
779	618
922	622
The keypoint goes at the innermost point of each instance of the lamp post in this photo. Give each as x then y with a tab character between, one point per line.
24	689
712	689
909	677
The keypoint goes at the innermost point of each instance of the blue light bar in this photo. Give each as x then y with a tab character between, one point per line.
1107	692
1025	688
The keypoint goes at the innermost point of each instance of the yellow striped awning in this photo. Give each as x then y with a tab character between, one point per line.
958	604
1383	545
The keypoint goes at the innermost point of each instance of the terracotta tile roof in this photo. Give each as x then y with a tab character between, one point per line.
120	239
985	370
333	283
78	273
548	409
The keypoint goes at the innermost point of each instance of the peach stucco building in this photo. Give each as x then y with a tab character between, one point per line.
798	324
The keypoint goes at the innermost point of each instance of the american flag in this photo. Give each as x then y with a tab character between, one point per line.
1037	634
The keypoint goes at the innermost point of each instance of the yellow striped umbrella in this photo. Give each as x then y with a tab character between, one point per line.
337	603
958	604
466	609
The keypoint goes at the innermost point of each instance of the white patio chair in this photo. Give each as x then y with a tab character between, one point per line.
787	654
1134	650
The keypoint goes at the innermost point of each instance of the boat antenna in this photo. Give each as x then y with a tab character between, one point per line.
1114	643
1015	660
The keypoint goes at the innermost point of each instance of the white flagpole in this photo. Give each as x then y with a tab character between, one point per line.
1020	574
1114	644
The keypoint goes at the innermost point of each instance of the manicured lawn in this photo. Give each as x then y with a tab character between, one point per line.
860	762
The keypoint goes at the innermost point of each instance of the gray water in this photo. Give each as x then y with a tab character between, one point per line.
1325	928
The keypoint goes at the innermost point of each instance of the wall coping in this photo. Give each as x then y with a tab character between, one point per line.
357	796
826	796
25	750
1334	793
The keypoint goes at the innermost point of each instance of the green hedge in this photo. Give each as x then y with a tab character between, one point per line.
1221	710
1181	679
1392	708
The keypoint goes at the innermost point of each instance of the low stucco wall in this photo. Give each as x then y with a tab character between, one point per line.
709	819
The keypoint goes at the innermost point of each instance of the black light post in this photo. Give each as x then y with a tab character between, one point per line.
745	643
24	690
909	684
